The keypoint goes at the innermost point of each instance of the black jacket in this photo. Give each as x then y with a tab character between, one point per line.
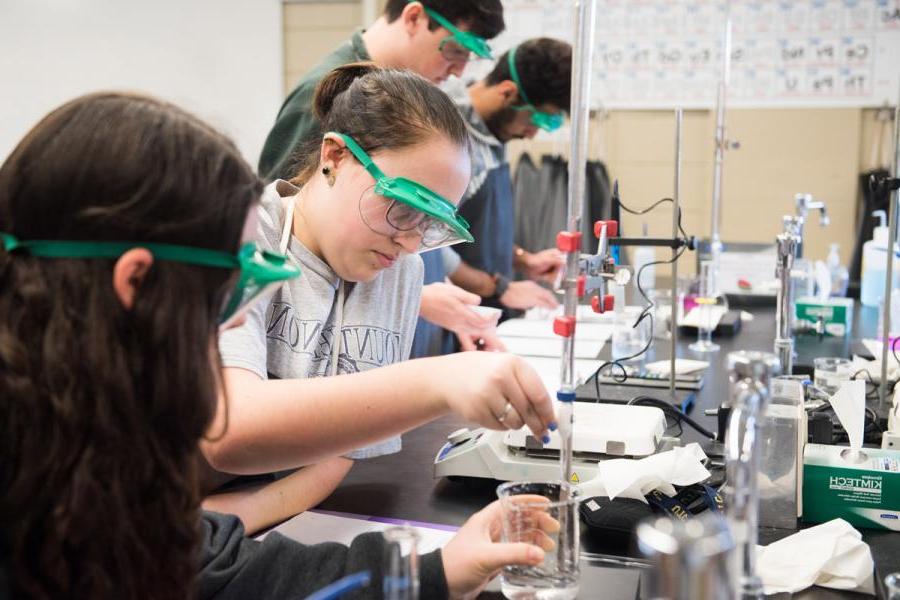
234	566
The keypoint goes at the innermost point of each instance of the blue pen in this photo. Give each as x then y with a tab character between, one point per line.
342	586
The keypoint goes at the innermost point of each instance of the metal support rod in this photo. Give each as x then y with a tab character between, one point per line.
676	210
582	57
888	277
786	246
369	12
721	93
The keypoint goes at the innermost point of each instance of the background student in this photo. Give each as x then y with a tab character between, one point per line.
527	90
436	39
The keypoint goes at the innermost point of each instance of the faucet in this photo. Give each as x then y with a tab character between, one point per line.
786	243
750	374
804	204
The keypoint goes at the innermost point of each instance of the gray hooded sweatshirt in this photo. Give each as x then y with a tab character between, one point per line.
292	336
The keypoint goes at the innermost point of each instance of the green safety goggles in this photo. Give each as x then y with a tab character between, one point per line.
261	272
468	41
413	207
543	120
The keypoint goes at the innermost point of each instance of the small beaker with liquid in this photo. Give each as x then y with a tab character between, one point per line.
543	513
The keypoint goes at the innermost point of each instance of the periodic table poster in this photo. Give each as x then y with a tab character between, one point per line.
668	53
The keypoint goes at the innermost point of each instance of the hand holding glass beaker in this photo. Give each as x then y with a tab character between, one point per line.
545	514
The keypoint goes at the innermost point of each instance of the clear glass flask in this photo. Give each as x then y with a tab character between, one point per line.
711	306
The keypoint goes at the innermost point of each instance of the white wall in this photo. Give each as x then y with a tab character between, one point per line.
220	59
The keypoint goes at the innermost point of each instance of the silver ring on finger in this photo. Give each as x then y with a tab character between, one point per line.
505	413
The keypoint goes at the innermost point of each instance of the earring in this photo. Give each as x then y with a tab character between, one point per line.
326	171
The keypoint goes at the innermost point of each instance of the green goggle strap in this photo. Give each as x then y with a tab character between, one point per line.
258	268
81	249
261	266
400	188
364	159
544	120
511	60
467	39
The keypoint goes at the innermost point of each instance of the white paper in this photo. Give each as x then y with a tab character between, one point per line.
875	348
682	366
829	555
489	312
315	527
584	313
629	478
548	370
707	317
752	267
849	404
524	346
873	368
532	328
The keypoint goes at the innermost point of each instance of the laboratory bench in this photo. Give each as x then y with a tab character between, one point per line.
401	485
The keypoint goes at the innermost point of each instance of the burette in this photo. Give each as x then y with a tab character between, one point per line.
721	141
569	241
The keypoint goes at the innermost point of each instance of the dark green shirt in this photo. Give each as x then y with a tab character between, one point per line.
296	123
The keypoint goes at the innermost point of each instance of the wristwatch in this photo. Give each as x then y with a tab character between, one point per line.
501	284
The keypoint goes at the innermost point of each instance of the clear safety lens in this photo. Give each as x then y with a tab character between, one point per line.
547	121
262	273
454	52
394	218
543	120
243	299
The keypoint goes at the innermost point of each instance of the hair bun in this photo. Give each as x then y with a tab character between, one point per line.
336	82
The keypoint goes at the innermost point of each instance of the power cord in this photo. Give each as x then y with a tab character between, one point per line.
673	412
646	313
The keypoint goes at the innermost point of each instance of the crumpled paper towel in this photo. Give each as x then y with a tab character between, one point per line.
829	555
629	478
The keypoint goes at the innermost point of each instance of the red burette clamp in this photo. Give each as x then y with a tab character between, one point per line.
564	326
568	241
605	302
612	228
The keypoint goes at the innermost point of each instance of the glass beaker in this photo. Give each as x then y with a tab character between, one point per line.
662	313
829	373
711	305
401	563
629	337
544	513
894	330
892	586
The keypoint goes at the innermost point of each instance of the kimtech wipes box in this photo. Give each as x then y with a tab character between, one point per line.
835	315
864	491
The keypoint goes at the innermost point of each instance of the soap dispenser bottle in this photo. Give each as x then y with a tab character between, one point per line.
874	264
839	274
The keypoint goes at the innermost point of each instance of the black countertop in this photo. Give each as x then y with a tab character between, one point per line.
401	485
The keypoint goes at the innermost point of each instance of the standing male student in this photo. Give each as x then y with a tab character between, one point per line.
436	39
527	90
